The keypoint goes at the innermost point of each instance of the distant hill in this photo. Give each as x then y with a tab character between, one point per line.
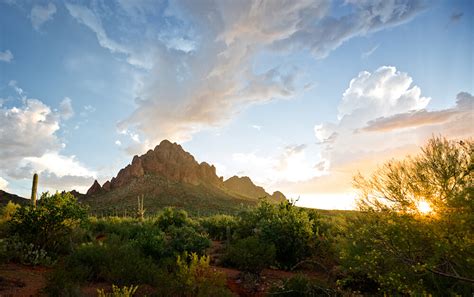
5	197
170	176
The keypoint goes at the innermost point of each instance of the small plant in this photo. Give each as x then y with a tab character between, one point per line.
118	292
299	286
17	250
194	277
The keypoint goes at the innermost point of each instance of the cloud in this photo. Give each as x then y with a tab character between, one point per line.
90	19
381	116
322	36
3	184
257	127
368	53
28	141
65	108
6	56
41	14
197	70
290	165
52	182
463	110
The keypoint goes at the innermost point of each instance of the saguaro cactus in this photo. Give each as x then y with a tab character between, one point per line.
34	189
140	209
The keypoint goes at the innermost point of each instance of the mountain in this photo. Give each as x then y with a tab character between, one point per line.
244	186
5	197
170	176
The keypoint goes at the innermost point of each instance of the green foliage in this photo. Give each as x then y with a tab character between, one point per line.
217	226
119	263
9	210
287	227
14	249
299	286
186	239
118	292
404	250
172	217
194	277
50	225
251	254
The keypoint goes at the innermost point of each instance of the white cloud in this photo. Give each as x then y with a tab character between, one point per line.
28	142
291	164
382	93
6	56
65	108
3	184
381	116
199	71
368	53
118	143
41	14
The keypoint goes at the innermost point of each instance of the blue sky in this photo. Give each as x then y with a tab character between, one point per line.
298	95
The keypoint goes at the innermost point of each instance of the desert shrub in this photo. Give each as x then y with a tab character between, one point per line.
186	239
172	217
286	226
299	286
152	243
124	228
17	250
118	292
9	210
217	226
51	224
413	251
251	254
194	277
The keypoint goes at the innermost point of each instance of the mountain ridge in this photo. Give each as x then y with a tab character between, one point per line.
169	170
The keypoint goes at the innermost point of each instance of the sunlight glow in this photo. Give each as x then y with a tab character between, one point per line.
424	207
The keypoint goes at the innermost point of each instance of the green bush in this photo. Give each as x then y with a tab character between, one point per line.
251	254
172	217
118	292
411	251
186	239
194	277
299	286
15	249
286	226
8	211
216	226
51	225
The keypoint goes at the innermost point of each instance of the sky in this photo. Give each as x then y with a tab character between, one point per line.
298	95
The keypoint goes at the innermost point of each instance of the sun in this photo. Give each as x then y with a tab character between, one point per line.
424	207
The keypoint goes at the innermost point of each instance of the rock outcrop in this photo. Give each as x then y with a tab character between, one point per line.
244	186
94	189
278	196
170	162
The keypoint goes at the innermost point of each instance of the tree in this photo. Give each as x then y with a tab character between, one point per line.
416	230
51	223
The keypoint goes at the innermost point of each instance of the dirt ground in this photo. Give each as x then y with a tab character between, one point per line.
22	281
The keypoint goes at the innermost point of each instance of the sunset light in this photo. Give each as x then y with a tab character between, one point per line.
236	147
424	207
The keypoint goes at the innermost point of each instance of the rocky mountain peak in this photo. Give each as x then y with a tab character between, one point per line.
94	189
